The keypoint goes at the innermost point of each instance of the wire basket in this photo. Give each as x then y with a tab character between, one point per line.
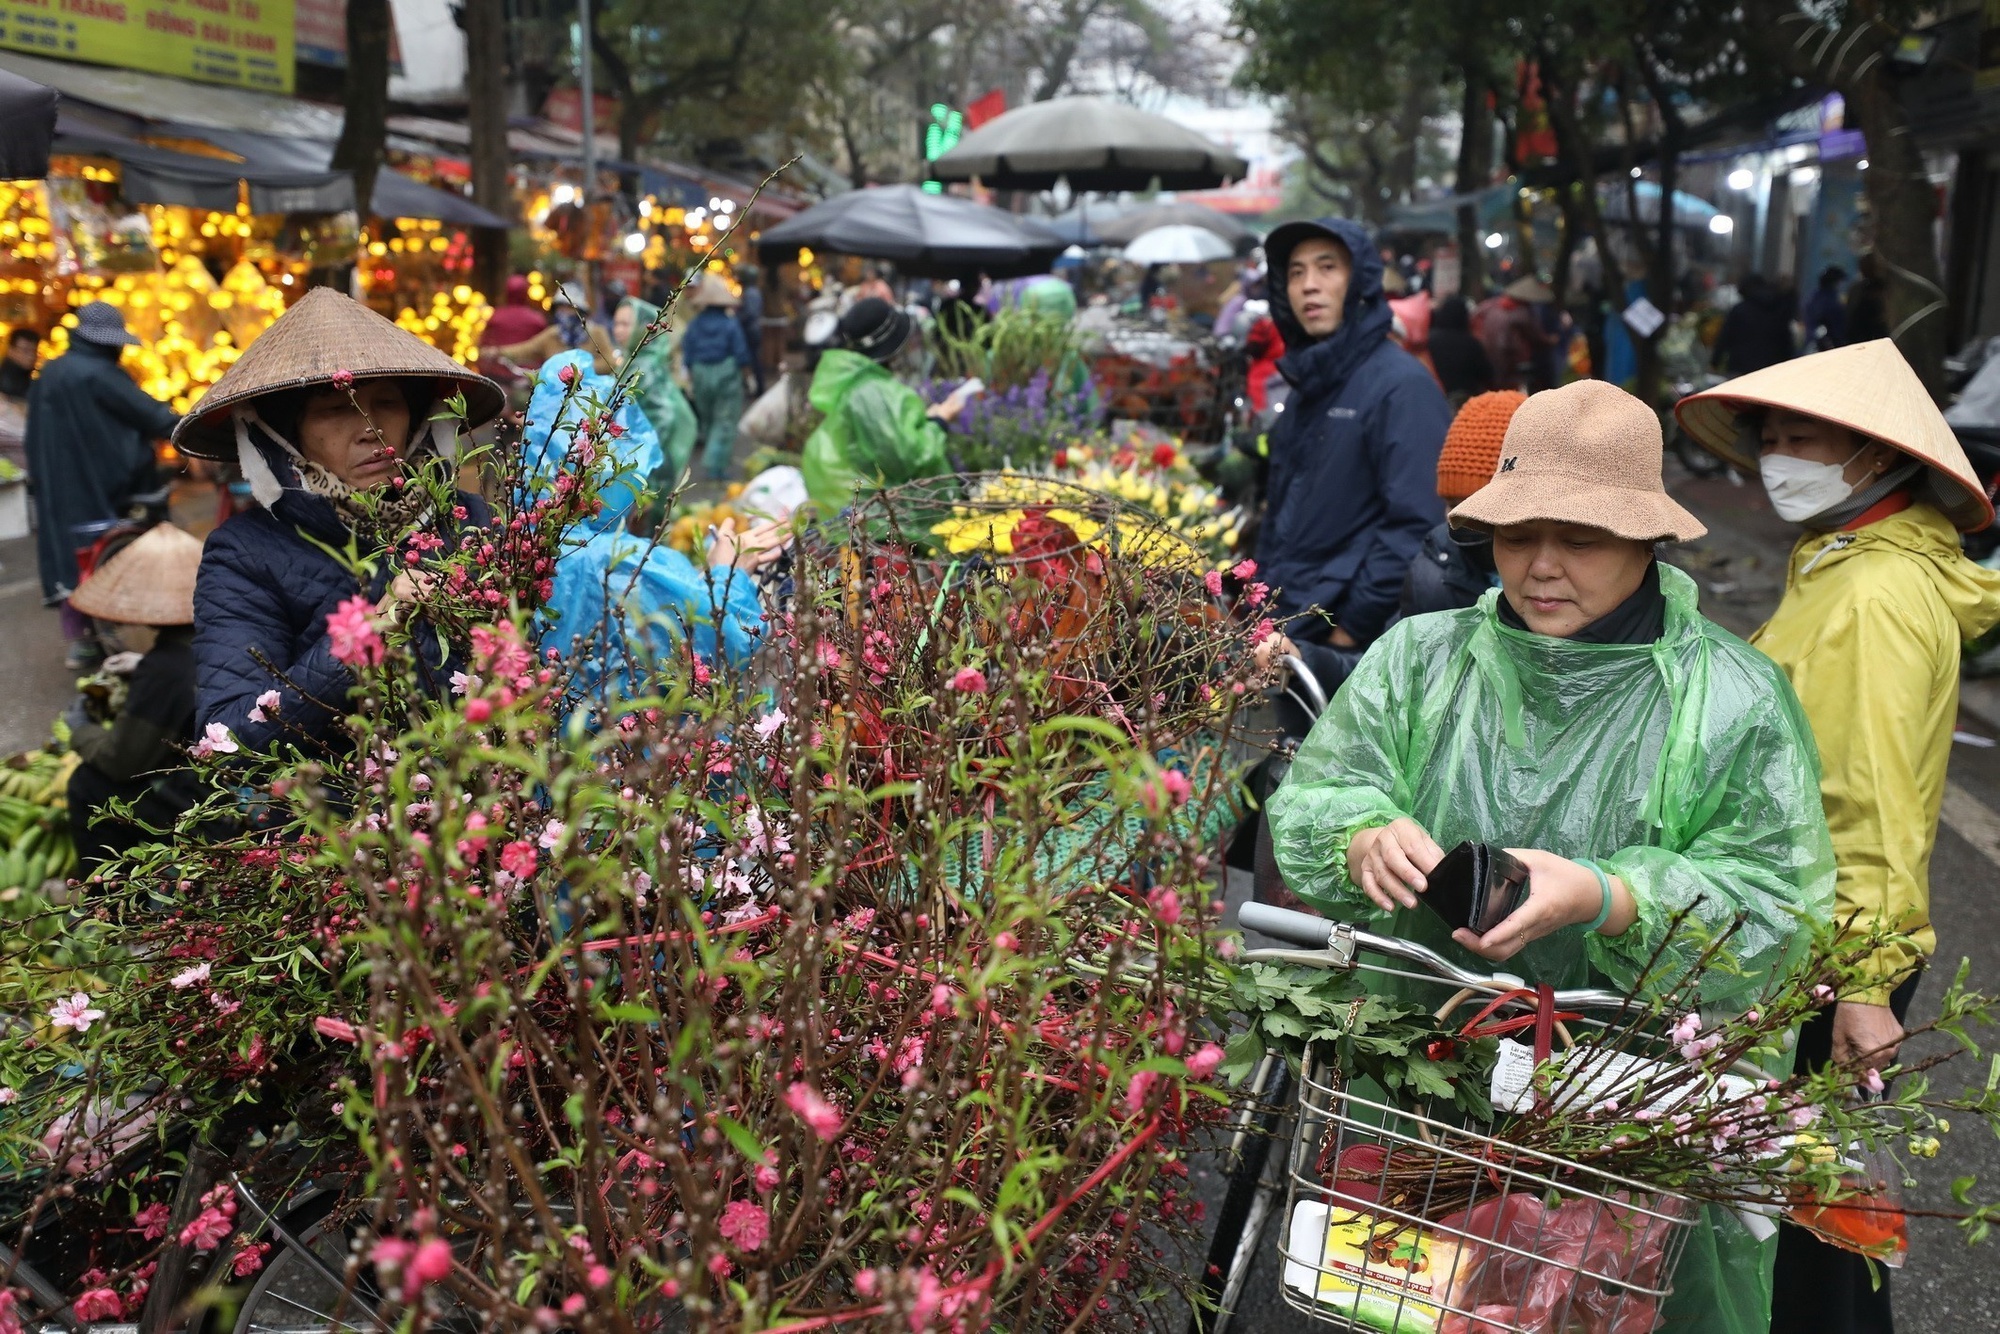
1405	1224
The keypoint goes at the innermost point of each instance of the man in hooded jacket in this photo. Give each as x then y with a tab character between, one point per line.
1353	457
90	448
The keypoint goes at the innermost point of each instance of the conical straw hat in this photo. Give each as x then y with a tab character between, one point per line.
150	582
713	291
322	336
1869	389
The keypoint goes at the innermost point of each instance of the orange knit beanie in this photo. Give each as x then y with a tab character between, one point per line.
1472	445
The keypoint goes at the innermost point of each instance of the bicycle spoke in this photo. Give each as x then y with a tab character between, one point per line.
325	1320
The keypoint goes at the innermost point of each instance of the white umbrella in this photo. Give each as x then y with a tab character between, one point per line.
1128	227
1178	243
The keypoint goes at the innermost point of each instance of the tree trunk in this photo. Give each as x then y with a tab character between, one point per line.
486	117
1475	168
1581	215
1660	269
1905	208
1660	254
1854	61
365	128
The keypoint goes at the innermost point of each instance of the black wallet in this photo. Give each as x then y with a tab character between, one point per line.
1476	886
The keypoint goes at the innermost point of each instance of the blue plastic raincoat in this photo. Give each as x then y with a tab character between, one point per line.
1685	767
664	599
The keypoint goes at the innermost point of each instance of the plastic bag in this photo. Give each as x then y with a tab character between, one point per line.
659	398
1869	1222
1565	1268
664	599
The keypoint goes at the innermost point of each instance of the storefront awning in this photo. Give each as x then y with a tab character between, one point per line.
396	194
282	146
157	97
152	175
27	120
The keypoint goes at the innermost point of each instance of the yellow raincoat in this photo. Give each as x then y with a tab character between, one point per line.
1869	633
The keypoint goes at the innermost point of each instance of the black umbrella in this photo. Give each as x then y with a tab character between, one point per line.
1084	224
1092	143
926	235
27	125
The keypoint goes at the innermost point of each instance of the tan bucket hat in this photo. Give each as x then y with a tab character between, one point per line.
150	582
1529	289
324	335
1869	389
1587	453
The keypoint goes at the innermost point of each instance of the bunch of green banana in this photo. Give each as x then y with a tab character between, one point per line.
34	821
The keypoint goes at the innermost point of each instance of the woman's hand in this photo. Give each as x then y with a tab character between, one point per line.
1389	862
409	585
1560	893
1865	1036
1272	647
751	549
954	402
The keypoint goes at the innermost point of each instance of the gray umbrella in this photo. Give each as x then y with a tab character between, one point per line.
27	124
1129	227
937	236
1094	144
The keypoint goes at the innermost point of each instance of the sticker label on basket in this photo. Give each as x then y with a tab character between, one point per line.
1379	1276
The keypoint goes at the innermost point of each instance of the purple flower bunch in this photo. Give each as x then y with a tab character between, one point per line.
1022	425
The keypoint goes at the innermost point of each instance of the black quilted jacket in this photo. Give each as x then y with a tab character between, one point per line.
263	595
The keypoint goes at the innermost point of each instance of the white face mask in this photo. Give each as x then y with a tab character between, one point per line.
1800	488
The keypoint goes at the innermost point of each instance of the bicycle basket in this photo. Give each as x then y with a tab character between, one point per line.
1403	1224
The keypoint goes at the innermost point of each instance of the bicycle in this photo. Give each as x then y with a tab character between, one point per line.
1363	1179
1248	1200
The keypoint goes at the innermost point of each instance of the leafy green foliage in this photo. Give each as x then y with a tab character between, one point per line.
1399	1046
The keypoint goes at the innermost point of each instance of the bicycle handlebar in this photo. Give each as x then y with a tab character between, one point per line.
1340	941
1303	675
1294	928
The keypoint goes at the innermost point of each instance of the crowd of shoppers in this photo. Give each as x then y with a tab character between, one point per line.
1514	661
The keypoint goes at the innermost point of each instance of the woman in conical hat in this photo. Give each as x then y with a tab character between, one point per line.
1878	597
140	755
326	413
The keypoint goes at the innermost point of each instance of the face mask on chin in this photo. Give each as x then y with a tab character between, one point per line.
1800	488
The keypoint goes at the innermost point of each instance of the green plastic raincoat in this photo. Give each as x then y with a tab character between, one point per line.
1685	767
875	433
654	390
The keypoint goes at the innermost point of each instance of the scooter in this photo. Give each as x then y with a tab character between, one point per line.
1982	449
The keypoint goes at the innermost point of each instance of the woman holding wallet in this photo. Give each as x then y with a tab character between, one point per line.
1640	761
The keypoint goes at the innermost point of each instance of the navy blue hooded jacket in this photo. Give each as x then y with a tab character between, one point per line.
1353	480
712	336
260	608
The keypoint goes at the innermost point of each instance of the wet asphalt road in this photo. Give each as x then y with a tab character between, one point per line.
1946	1288
36	687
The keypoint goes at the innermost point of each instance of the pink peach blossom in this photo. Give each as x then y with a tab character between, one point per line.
744	1225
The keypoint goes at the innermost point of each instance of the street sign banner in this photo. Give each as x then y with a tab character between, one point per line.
245	43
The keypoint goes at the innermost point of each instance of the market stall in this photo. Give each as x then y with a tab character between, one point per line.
203	237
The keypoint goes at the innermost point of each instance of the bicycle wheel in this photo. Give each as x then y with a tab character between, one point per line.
1247	1207
294	1296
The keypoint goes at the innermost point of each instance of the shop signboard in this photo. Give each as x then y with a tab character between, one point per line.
244	43
321	28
